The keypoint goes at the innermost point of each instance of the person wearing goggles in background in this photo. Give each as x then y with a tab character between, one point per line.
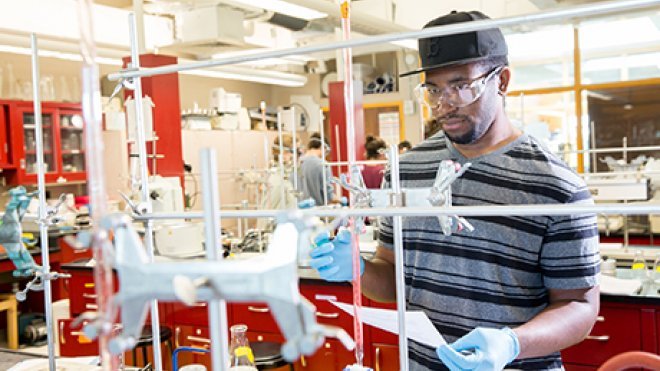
517	289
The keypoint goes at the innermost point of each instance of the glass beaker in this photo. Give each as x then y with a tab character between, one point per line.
240	353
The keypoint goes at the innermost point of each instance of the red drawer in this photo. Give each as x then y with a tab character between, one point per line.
327	313
195	315
381	336
72	341
256	316
616	331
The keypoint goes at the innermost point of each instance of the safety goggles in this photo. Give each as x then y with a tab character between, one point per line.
456	95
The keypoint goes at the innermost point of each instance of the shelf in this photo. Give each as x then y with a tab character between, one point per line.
71	128
73	152
34	152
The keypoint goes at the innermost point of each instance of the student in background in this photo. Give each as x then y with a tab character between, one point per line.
312	172
373	173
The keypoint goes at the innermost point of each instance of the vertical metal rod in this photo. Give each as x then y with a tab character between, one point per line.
144	183
626	233
295	152
399	258
594	156
41	180
280	157
323	161
217	307
94	156
338	140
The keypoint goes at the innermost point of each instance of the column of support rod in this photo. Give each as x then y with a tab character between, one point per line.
280	158
41	181
399	258
217	307
324	163
144	183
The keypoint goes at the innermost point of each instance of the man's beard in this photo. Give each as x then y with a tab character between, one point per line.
468	138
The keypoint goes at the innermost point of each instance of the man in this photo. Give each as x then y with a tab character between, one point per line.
312	172
516	290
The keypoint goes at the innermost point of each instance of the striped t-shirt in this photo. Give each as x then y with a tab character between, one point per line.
499	274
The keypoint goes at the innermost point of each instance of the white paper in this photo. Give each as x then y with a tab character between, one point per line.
418	324
619	286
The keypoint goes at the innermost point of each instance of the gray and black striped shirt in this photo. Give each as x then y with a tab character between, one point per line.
499	275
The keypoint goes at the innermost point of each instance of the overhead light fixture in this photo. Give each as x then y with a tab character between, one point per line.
59	55
284	7
251	75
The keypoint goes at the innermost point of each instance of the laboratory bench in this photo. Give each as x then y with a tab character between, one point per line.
625	323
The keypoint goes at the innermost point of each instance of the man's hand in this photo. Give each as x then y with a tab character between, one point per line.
333	259
482	349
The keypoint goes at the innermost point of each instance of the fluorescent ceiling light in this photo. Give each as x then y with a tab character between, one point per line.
59	55
251	75
284	7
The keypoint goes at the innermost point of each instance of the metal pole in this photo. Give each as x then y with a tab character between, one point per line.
364	162
218	307
399	259
295	153
562	14
144	184
280	158
637	208
41	180
617	149
594	157
324	163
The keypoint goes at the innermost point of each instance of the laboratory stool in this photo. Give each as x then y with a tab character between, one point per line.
8	304
145	341
634	359
267	355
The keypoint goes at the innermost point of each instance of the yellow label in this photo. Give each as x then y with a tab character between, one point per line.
345	7
82	339
639	266
89	285
657	269
244	352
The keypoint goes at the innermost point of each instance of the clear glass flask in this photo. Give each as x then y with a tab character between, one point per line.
639	266
240	354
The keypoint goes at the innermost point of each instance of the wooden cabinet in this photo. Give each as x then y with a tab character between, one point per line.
63	143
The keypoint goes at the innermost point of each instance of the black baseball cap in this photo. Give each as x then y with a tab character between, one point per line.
442	51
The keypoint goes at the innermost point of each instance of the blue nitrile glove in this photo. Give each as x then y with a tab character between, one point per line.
489	349
333	258
307	204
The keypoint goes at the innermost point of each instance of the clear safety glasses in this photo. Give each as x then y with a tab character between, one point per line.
456	95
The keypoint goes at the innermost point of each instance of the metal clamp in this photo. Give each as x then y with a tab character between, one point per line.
440	196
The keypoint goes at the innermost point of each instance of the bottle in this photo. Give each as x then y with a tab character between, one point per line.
639	266
240	353
655	275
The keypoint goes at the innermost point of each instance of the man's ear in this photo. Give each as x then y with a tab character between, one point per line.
505	79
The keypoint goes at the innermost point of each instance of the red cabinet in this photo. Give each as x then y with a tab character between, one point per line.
385	357
63	143
73	342
621	327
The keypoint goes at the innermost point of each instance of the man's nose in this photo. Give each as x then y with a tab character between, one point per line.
443	108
